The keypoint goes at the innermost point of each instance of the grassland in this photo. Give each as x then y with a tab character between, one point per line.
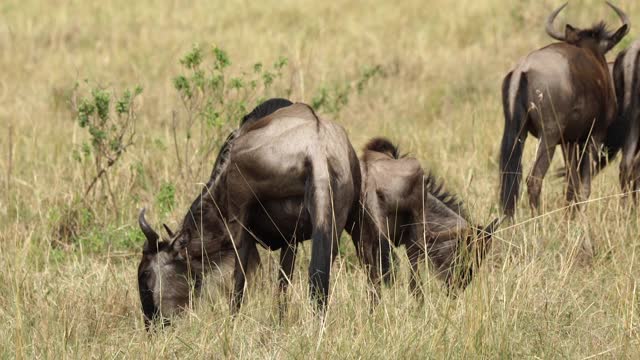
552	287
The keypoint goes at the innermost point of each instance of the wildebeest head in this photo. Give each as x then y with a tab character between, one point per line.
456	259
165	281
477	243
597	37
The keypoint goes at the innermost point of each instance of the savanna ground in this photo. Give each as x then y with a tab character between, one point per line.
551	288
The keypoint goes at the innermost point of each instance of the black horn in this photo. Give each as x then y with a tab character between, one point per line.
152	236
168	230
551	31
491	228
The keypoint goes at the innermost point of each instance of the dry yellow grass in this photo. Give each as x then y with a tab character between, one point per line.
552	288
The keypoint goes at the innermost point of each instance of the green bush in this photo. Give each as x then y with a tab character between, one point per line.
213	101
110	123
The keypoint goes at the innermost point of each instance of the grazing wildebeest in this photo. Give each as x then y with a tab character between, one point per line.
626	75
284	176
405	206
562	94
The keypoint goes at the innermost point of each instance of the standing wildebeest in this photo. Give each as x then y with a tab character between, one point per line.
617	131
562	94
284	176
626	76
405	206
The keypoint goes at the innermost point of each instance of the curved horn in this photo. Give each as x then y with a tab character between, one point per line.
623	17
551	31
152	236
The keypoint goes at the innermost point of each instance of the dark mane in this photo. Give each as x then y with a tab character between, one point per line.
264	109
598	31
436	188
223	154
383	145
203	204
200	209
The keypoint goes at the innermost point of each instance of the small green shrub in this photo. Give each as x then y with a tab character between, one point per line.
110	123
332	99
213	101
166	198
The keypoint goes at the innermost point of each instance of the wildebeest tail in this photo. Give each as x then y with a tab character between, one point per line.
319	204
515	114
383	145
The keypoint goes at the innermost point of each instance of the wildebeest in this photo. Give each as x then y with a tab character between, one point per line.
284	176
616	133
404	206
626	75
563	95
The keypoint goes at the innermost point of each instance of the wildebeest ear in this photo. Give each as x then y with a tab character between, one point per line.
570	34
180	242
617	36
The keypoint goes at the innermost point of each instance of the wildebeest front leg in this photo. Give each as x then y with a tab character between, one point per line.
378	254
380	261
245	249
544	156
635	181
245	246
287	263
375	290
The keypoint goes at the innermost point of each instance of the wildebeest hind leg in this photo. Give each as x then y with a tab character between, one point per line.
416	256
571	175
287	264
635	179
630	151
544	156
587	169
